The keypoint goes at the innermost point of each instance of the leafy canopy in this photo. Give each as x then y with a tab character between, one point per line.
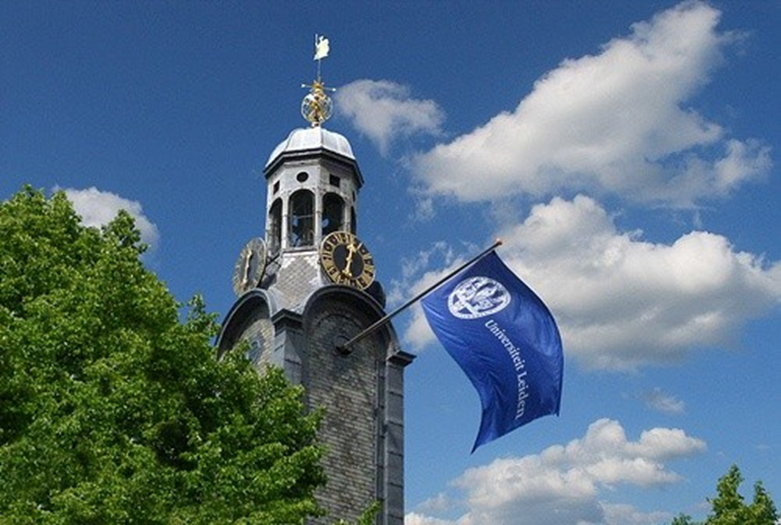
729	508
112	410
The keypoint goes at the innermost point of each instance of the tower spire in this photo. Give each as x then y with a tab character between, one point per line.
308	285
317	106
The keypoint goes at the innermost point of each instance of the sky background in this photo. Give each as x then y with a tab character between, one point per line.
626	152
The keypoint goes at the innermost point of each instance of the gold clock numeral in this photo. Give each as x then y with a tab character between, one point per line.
250	267
364	280
340	238
333	272
367	276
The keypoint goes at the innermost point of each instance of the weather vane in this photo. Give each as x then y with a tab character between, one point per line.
317	106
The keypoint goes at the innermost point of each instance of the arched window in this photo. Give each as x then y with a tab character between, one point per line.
302	218
333	213
353	219
275	226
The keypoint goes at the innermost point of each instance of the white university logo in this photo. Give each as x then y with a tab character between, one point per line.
477	297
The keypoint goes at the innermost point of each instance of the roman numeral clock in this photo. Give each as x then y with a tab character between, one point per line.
307	286
346	260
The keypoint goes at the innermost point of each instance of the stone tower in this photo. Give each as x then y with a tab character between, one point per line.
305	288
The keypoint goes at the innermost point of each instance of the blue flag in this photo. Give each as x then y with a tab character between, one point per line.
504	339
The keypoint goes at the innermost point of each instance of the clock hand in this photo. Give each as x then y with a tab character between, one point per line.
351	249
247	268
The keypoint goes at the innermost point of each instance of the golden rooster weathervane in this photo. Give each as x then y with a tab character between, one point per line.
317	106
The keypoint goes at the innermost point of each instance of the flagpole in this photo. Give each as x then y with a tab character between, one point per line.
345	348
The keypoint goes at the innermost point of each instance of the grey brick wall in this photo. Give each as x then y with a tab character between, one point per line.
361	393
347	387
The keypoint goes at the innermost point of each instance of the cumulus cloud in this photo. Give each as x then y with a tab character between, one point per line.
415	279
616	123
97	208
621	514
440	502
414	518
385	112
563	484
622	302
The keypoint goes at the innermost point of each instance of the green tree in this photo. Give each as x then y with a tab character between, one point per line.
729	507
682	519
113	410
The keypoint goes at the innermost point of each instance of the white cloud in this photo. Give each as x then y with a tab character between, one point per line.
440	502
620	514
414	518
661	401
562	485
385	112
616	122
418	333
97	208
621	302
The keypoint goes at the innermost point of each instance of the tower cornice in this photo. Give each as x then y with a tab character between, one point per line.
308	143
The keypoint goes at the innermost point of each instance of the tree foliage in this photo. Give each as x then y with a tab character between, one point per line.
729	507
682	519
113	410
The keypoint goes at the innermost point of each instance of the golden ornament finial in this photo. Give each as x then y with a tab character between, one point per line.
317	106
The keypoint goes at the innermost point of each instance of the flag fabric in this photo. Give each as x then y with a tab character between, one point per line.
505	340
322	47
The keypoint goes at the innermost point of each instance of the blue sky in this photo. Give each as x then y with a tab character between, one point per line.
626	152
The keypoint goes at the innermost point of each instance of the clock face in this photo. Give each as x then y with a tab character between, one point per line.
250	266
346	260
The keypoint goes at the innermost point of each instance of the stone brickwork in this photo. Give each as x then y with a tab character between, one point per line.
393	437
298	276
348	388
362	393
251	323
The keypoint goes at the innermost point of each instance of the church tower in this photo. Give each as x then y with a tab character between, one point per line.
308	286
